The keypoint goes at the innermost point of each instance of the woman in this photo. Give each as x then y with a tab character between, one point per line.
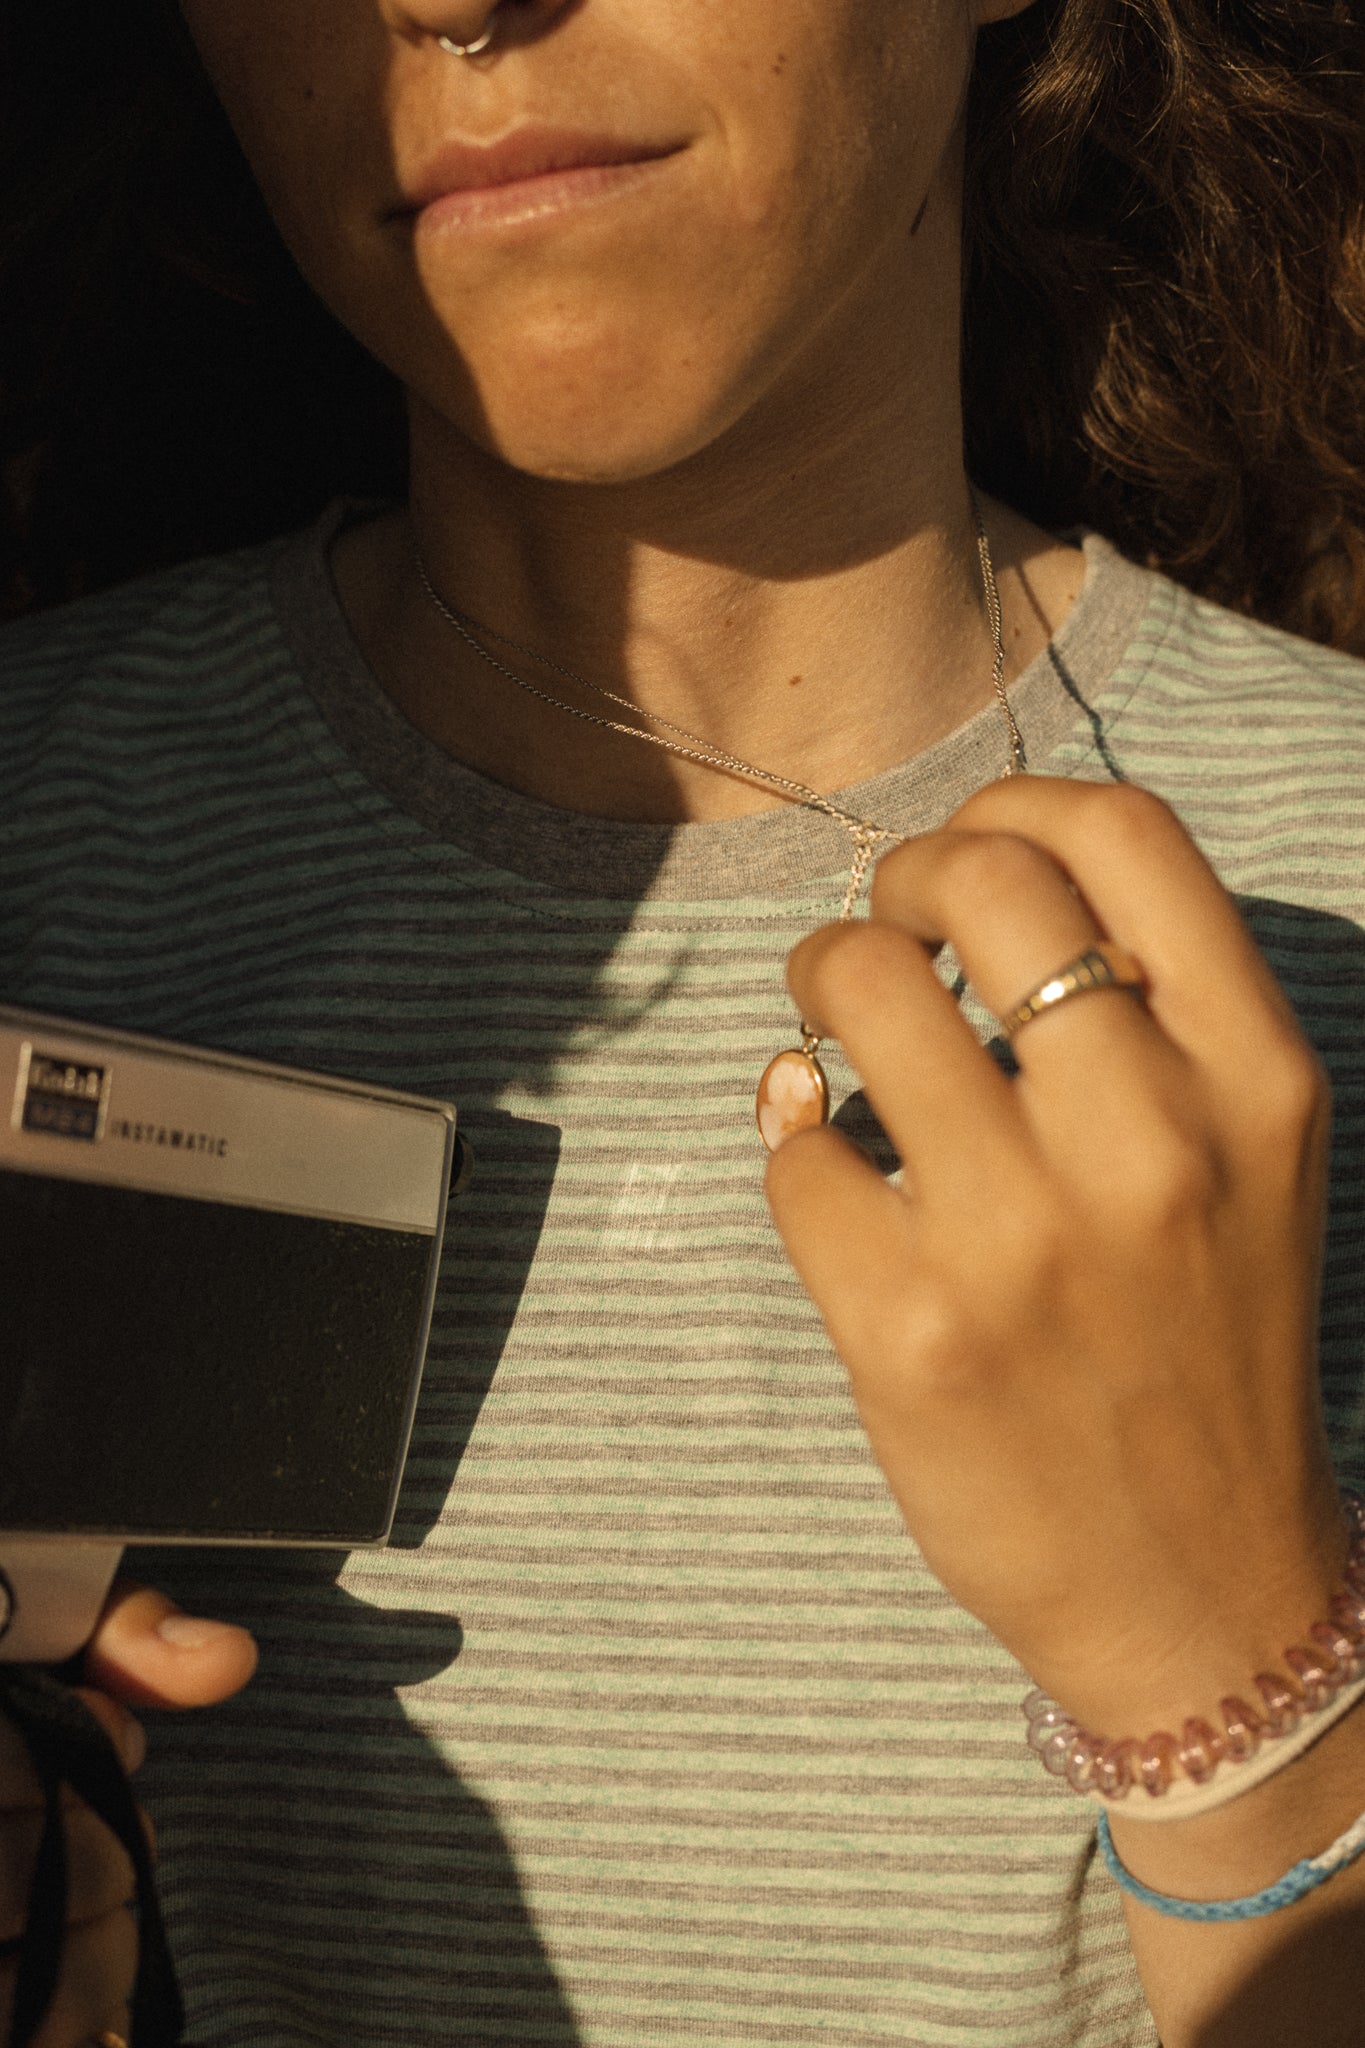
687	1705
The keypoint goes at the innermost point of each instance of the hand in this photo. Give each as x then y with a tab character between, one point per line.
146	1653
1081	1335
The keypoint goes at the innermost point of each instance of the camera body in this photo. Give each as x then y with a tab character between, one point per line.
216	1280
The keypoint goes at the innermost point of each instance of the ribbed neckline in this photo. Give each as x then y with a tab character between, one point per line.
762	854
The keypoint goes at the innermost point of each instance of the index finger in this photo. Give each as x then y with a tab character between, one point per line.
1151	889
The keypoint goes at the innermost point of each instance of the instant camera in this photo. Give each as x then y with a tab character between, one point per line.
216	1280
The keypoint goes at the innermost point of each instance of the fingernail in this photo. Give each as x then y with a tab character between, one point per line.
187	1633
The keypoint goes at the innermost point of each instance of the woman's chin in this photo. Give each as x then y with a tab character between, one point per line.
564	464
614	440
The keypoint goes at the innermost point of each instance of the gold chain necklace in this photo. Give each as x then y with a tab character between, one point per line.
793	1091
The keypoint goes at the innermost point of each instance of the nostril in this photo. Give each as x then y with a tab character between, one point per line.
506	22
470	43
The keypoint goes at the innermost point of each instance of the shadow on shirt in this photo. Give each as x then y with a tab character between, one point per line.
313	1805
1319	960
327	1874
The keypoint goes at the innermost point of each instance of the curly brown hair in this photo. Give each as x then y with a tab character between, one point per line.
1164	332
1165	315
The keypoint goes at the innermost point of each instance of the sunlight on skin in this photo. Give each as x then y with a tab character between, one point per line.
695	431
750	355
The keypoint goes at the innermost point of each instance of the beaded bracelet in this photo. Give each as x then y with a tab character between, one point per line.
1305	1877
1177	1771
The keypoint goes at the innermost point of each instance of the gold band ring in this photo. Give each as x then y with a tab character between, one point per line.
108	2039
1099	966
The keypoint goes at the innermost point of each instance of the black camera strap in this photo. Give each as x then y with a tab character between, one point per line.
68	1746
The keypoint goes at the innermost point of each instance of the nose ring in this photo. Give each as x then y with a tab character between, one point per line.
479	44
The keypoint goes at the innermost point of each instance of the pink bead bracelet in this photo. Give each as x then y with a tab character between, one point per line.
1109	1769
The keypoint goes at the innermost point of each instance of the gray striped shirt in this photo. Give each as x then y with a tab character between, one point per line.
651	1726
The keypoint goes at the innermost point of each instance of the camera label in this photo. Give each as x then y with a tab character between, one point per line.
61	1098
154	1117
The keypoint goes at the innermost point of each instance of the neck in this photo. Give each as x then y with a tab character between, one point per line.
805	594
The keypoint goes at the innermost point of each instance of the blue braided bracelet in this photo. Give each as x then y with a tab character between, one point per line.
1305	1877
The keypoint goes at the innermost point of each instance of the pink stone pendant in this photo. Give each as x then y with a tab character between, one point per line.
793	1095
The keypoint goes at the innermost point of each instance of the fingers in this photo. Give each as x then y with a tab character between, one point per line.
99	1953
1007	906
99	1871
19	1787
147	1652
1098	1061
1093	1324
1150	888
942	1100
116	2030
99	1964
1028	875
844	1228
1013	917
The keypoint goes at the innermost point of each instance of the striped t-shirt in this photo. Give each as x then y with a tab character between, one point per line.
651	1727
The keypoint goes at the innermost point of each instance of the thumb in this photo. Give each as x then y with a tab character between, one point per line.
147	1653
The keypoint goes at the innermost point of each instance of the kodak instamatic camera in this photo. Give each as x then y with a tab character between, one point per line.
216	1280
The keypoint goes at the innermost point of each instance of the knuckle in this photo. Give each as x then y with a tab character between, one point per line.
895	870
1294	1094
988	866
945	1326
1171	1180
102	1877
1032	1241
959	864
1130	819
853	966
933	1338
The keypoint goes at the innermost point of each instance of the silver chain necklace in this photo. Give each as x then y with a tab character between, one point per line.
793	1091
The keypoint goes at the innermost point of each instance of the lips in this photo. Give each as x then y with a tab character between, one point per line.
519	159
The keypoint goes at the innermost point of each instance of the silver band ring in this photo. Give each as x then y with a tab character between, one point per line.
474	49
1099	966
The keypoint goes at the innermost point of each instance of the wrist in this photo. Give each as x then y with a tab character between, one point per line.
1197	1762
1217	1636
1251	1841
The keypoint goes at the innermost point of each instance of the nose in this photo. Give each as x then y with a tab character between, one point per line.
463	44
462	23
475	28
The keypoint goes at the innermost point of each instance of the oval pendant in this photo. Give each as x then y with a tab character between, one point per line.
793	1095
